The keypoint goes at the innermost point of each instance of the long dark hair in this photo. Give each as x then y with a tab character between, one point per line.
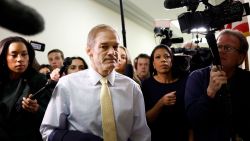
4	45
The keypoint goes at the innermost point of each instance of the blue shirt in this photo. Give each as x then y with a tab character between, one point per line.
75	105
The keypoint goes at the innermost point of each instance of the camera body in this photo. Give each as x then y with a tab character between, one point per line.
213	17
37	45
166	35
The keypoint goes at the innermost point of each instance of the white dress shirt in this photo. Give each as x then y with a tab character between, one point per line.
75	105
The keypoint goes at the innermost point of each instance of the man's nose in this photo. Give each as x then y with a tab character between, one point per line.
111	50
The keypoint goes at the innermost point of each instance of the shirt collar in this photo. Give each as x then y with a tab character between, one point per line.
96	77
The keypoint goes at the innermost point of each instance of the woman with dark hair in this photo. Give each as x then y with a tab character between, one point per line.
77	64
45	69
21	113
164	97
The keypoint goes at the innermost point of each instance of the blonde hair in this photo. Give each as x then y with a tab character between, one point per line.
128	60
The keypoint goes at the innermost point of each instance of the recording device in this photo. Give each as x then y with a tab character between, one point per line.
200	57
212	18
67	61
20	18
37	46
166	35
214	50
51	83
191	4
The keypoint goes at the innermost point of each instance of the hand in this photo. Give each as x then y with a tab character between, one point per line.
30	105
217	79
54	75
169	99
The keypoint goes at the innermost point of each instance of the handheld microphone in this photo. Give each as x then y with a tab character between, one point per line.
67	61
50	83
214	49
20	18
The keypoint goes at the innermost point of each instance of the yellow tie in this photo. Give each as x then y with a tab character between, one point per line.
108	120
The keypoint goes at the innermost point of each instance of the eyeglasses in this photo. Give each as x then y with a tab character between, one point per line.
227	48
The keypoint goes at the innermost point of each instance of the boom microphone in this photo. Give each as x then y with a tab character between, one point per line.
20	18
170	4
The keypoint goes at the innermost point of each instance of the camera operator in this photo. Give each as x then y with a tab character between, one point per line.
217	97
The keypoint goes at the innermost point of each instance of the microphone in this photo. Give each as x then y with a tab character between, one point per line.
67	61
52	83
20	18
170	4
49	84
211	40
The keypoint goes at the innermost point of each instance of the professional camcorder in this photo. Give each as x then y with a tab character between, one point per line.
212	18
37	46
166	35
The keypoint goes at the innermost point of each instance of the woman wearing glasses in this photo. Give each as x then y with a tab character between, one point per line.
217	98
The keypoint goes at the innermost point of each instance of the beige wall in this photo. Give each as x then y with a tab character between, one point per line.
67	23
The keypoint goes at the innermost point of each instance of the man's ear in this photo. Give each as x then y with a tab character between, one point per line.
242	59
89	51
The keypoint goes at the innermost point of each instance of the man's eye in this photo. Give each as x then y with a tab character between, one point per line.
104	46
228	48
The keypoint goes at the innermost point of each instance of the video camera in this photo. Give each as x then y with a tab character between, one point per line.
213	17
37	46
166	35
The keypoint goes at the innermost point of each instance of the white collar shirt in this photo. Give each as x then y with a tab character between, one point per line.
75	105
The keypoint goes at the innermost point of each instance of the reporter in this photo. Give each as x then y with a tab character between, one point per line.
18	81
163	94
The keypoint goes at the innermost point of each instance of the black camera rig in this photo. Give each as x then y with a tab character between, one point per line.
213	17
166	35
